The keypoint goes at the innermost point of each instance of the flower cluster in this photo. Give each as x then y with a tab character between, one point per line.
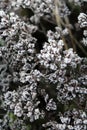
24	102
82	20
43	79
40	8
70	120
7	123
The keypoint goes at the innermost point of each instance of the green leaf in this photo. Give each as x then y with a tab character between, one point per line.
2	43
12	116
28	127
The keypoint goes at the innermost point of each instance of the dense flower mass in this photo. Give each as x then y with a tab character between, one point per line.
43	65
74	116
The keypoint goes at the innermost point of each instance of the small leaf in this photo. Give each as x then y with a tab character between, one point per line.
12	116
28	127
2	43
